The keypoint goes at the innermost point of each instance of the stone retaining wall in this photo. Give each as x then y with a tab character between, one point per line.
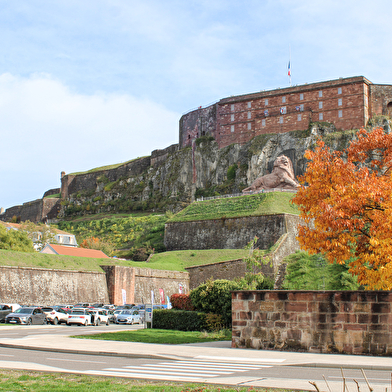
346	322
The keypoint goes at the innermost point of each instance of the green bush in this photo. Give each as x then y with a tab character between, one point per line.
215	297
231	172
181	320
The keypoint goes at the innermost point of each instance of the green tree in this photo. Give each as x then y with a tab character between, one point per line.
39	233
15	240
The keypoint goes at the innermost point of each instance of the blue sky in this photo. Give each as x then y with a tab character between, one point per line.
96	82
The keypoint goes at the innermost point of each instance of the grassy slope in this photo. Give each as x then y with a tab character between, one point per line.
172	261
249	205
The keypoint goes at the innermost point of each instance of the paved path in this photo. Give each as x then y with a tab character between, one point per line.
215	351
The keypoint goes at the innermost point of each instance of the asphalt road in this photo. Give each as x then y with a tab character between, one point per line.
222	372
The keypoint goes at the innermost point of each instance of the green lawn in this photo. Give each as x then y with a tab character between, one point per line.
171	261
247	205
19	380
161	336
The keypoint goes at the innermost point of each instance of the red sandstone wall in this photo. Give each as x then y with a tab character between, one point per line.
350	322
344	102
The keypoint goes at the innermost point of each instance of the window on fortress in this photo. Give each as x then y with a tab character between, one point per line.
321	117
249	115
232	107
232	128
299	117
339	90
340	102
249	126
263	122
283	99
340	113
266	102
301	107
320	105
232	117
281	120
320	94
301	97
249	105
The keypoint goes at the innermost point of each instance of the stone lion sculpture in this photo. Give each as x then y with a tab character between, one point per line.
282	176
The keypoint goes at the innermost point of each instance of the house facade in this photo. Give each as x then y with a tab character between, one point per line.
348	103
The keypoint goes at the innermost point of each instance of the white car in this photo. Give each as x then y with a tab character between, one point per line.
129	316
57	316
99	316
79	316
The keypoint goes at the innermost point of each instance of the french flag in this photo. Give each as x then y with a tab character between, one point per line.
289	70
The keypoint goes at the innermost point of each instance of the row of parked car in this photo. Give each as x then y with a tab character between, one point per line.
81	314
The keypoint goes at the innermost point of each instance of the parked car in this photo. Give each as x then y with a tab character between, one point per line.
99	316
27	315
129	316
6	309
79	316
115	314
57	316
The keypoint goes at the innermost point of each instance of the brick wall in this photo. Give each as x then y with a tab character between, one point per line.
349	322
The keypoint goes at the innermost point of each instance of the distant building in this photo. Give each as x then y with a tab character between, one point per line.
53	249
348	103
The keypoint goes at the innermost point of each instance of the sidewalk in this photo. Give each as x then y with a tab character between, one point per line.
214	351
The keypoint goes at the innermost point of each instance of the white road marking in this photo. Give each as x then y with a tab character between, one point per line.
73	360
240	359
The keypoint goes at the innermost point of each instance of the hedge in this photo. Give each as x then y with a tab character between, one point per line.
181	320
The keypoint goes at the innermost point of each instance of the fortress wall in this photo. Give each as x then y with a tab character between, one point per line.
37	286
160	156
82	182
230	233
344	322
381	96
137	283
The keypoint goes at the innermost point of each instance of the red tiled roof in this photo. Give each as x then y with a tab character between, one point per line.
80	252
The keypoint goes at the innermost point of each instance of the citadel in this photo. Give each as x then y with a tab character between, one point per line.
234	124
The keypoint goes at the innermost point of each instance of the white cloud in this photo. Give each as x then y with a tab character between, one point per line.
45	125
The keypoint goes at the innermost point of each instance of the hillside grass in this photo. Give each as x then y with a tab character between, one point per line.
171	261
247	205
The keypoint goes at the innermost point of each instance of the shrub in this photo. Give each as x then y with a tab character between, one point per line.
181	320
215	297
214	322
231	172
181	302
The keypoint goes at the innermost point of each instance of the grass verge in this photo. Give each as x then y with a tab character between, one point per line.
18	380
161	336
171	261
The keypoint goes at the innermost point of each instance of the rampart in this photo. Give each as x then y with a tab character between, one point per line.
39	286
229	233
71	183
159	156
34	211
346	322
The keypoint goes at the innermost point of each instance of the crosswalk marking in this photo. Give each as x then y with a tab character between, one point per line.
189	370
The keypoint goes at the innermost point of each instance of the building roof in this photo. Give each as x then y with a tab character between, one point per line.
71	251
18	226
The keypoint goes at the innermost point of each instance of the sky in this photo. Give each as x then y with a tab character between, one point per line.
90	83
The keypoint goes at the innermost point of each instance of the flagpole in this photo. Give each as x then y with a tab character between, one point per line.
290	64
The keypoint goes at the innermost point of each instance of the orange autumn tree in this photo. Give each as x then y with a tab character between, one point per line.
347	207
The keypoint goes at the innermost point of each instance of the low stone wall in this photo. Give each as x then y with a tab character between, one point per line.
35	286
136	284
349	322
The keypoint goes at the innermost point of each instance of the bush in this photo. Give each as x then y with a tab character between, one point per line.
215	297
181	320
181	302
